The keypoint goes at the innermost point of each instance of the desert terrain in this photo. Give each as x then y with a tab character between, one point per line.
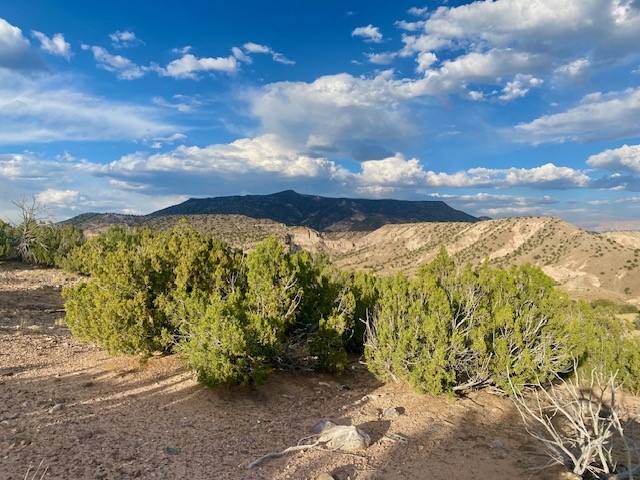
588	265
71	409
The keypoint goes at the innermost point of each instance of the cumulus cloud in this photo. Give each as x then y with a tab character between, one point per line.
625	158
55	45
410	26
519	87
124	68
418	11
549	35
251	48
59	198
180	51
548	176
72	185
344	111
574	69
15	50
384	58
190	66
598	117
394	171
264	154
124	39
48	110
369	33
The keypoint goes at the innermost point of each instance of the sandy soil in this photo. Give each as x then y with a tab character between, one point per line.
84	415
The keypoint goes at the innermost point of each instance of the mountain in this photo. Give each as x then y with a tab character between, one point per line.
322	213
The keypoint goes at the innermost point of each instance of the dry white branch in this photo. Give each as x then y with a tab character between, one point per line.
579	426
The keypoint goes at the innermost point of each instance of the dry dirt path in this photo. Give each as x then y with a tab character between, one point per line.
86	415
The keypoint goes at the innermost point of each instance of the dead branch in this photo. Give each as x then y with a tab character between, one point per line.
295	448
579	427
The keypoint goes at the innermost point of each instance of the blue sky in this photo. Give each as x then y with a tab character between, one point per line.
503	108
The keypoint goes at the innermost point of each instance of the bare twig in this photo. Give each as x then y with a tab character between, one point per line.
578	426
295	448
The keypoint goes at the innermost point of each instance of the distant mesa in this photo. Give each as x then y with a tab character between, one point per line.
322	213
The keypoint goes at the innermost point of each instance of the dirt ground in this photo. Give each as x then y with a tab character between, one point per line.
81	414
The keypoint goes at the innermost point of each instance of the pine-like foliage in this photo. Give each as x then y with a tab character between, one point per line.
453	329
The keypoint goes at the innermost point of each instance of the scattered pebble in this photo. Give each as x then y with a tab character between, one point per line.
392	412
325	476
497	443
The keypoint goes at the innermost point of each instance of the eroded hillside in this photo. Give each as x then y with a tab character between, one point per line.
588	265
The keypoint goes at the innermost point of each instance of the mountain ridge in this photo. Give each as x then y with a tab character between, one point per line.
321	213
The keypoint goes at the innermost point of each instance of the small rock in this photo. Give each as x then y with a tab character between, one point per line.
347	438
391	412
325	476
323	425
497	443
56	408
86	384
172	451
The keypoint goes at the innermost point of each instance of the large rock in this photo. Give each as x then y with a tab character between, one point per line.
344	437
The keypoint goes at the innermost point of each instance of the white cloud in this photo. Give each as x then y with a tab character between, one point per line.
50	109
124	68
59	198
55	45
425	61
543	24
159	142
264	154
598	117
251	48
410	26
548	176
384	58
369	33
418	11
574	69
189	66
182	103
392	171
124	39
182	50
343	110
568	38
15	50
240	55
625	158
519	87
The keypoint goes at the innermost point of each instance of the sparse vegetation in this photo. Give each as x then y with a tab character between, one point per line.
232	316
36	239
236	316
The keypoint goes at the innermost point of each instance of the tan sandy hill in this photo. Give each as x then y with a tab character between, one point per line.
588	265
